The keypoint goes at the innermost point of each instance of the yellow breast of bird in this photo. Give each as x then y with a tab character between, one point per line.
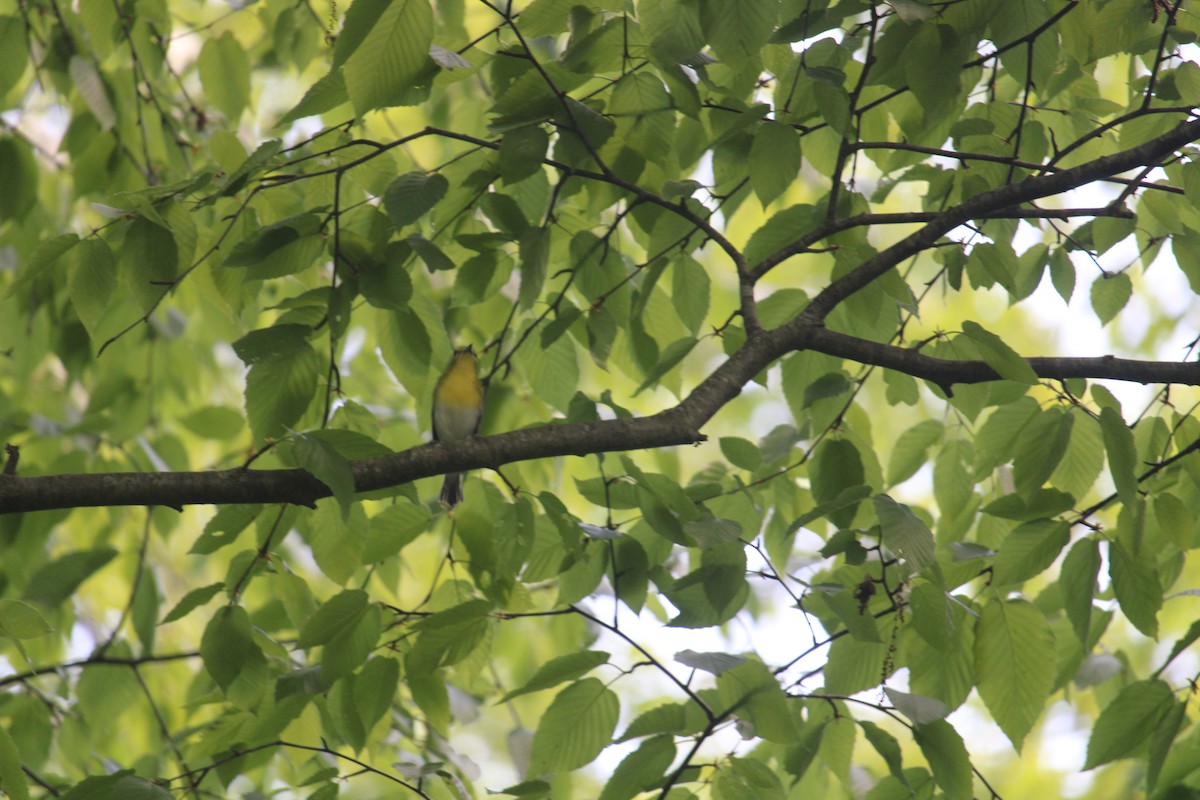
458	402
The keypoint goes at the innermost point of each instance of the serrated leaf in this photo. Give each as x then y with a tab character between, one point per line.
911	450
1122	455
714	663
1014	665
1137	587
390	56
1078	580
522	151
947	755
227	646
670	357
1128	721
578	724
1175	520
225	74
93	91
774	160
642	769
20	620
1029	549
193	600
12	777
55	582
1110	293
999	356
412	195
322	459
558	670
341	612
886	745
907	535
741	452
737	31
919	709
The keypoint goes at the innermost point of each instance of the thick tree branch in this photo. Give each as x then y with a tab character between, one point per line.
946	372
1028	190
675	426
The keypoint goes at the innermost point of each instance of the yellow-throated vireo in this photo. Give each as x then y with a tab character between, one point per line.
457	411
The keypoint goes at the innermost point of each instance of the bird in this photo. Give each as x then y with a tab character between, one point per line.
458	400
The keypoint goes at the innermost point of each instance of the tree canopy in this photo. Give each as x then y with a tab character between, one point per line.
840	437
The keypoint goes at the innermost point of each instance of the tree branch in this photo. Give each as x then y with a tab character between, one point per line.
675	426
1007	196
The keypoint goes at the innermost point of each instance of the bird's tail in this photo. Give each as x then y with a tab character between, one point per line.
452	491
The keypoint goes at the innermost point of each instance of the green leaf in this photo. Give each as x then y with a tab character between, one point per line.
279	390
783	228
741	452
21	178
1175	520
712	663
673	29
375	689
392	529
225	74
94	91
680	718
578	724
193	600
947	755
907	535
341	612
350	646
338	540
641	770
1160	742
1078	580
886	745
858	620
14	52
911	450
326	94
121	785
228	646
737	31
690	290
435	260
316	455
854	665
557	670
391	55
671	355
921	710
836	467
54	583
149	261
774	160
20	620
263	243
12	777
745	778
1137	587
999	356
1110	294
1128	721
449	636
1029	549
412	195
1014	665
1122	455
522	150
